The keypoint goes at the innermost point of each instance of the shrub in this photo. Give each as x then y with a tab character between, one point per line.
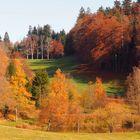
11	117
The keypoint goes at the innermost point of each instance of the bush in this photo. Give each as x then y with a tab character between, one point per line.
1	115
137	126
11	117
24	126
24	115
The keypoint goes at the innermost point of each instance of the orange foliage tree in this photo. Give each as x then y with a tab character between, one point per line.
18	83
103	39
57	49
62	110
110	117
99	94
55	112
3	62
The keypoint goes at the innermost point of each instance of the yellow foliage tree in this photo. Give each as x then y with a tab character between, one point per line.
3	62
55	112
110	117
99	94
18	82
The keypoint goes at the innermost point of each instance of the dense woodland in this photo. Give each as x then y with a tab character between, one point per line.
106	40
42	43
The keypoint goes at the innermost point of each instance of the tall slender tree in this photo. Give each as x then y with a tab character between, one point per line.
6	38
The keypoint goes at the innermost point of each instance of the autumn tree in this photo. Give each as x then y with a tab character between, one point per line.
22	96
57	49
55	112
38	43
95	38
3	62
94	96
74	116
133	88
87	98
8	102
110	117
99	94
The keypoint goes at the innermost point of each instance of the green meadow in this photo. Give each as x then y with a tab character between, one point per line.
69	65
12	133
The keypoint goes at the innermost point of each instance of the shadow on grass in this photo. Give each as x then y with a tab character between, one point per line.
69	65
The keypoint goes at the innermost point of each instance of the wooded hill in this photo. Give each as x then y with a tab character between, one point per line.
108	39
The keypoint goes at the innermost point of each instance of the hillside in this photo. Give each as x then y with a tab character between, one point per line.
81	74
9	133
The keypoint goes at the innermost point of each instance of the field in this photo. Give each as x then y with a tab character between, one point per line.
70	65
11	133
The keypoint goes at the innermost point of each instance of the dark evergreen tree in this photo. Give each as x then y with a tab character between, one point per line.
10	70
63	37
47	30
40	86
0	38
127	7
34	31
81	13
6	38
117	4
88	11
69	50
134	23
101	9
30	31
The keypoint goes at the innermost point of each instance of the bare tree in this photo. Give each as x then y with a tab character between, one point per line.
48	45
42	47
133	88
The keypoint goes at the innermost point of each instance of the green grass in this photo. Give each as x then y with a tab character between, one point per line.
68	65
11	133
19	122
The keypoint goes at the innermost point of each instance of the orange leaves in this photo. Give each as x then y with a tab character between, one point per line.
94	97
57	48
3	61
59	83
97	37
99	90
18	83
62	109
57	103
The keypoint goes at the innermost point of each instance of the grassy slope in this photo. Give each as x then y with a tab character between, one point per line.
9	133
68	65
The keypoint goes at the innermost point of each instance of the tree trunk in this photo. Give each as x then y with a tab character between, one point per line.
78	126
48	52
37	52
32	55
49	125
42	52
27	55
32	52
16	113
110	128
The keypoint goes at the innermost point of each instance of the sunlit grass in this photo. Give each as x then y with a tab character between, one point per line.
68	65
10	133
